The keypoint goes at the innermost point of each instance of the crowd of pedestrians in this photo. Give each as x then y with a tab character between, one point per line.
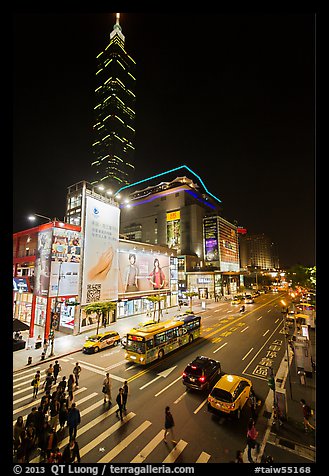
44	425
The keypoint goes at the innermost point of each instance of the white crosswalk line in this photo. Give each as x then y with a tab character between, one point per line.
34	403
124	443
78	402
102	372
175	452
31	371
96	441
203	458
143	454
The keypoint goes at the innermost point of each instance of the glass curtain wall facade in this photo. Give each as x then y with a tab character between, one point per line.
113	147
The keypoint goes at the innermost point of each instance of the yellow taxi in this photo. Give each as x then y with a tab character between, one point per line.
97	342
229	395
236	300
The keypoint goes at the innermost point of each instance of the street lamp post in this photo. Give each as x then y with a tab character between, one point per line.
286	340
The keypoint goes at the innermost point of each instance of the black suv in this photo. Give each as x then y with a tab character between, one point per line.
201	373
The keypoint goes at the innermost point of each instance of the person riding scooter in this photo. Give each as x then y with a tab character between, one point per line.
242	308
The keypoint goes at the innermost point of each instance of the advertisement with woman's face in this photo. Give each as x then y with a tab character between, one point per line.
142	271
100	273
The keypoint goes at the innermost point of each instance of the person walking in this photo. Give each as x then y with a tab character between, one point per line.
54	413
107	388
47	384
62	384
307	413
73	420
19	427
76	372
36	384
253	405
169	426
252	442
119	401
71	453
63	412
51	442
125	395
70	384
57	369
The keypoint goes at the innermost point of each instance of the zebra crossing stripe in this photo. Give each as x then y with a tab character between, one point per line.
31	371
124	443
85	449
34	403
175	452
143	454
203	458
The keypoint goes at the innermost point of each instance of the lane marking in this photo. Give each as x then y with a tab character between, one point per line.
219	348
245	329
268	330
200	406
165	388
180	398
247	353
259	318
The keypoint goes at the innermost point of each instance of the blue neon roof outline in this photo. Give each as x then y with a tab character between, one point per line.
168	171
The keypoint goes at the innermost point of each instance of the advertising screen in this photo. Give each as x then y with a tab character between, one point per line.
100	271
65	262
141	270
211	239
20	285
229	251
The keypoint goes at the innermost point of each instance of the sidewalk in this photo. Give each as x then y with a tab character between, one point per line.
290	443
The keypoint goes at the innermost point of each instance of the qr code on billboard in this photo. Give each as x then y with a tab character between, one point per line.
93	292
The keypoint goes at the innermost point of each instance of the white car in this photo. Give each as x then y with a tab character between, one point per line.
248	299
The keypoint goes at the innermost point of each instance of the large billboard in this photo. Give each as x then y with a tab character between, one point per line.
141	270
173	229
100	265
210	232
65	262
229	249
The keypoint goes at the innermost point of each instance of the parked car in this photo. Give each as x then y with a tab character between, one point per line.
201	373
97	342
18	344
229	395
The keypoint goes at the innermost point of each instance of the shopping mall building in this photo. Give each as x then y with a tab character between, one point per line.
153	237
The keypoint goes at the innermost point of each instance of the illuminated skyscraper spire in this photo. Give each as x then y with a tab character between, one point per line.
114	127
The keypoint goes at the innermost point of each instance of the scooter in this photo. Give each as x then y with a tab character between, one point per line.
242	309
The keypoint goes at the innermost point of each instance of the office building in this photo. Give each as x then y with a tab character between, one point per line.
114	128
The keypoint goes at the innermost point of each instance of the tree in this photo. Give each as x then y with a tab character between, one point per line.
101	309
302	276
190	295
156	301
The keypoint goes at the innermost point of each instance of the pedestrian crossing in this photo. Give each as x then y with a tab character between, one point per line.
102	437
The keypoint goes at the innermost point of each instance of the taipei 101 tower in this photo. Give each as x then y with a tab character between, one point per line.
114	132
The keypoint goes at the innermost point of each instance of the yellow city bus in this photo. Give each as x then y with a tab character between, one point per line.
146	344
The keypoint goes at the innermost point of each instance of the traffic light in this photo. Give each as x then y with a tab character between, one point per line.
271	382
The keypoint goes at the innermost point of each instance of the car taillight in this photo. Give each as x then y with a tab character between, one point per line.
202	379
184	374
210	398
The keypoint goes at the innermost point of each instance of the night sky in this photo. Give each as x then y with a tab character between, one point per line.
230	96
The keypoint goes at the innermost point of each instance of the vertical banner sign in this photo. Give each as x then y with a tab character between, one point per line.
173	229
210	239
100	271
42	263
229	248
